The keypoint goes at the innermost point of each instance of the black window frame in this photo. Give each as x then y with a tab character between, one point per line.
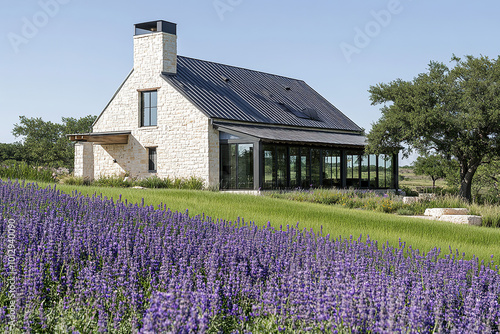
232	171
149	108
152	159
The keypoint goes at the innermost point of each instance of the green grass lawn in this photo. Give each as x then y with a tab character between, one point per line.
336	221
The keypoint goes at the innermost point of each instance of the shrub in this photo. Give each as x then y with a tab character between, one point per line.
112	181
408	191
24	171
155	182
405	211
352	198
193	183
489	213
490	198
74	181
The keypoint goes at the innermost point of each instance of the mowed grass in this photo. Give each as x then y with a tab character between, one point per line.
334	220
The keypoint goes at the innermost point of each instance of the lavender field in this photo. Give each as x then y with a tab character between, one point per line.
75	264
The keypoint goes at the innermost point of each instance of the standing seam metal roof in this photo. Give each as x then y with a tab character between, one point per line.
296	135
238	94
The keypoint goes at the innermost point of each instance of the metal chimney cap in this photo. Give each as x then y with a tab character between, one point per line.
155	26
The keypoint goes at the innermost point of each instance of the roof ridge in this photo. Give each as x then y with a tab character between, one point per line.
242	68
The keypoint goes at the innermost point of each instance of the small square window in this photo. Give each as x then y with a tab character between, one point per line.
152	161
149	108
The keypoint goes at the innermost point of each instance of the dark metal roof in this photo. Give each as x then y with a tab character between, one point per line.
238	94
295	135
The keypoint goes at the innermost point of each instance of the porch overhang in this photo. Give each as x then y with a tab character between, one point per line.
298	136
102	138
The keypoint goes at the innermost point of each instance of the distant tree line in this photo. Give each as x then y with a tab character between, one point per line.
44	143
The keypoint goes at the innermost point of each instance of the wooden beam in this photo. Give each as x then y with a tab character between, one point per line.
118	139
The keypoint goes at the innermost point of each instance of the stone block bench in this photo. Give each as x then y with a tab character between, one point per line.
462	219
453	215
445	212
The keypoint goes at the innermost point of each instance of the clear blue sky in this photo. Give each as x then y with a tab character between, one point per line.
80	51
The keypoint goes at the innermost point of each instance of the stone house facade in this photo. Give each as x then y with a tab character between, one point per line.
183	135
234	128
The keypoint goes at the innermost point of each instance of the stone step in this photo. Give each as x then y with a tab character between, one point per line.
435	212
462	219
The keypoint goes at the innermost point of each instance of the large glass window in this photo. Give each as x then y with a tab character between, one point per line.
327	168
282	164
385	171
336	165
287	166
353	169
331	168
389	176
228	166
269	162
350	170
149	108
236	166
245	166
305	167
365	181
373	171
294	167
315	167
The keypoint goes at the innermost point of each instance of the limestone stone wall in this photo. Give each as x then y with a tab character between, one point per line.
84	160
186	143
156	52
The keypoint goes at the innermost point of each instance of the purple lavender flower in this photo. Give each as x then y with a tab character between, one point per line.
120	267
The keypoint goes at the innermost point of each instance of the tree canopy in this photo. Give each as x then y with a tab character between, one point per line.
45	142
12	151
454	112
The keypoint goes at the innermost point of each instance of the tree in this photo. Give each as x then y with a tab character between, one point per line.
13	151
45	143
454	112
41	140
434	166
70	126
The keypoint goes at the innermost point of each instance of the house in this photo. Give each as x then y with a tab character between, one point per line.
235	128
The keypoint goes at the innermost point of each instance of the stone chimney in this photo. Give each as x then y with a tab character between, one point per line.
155	47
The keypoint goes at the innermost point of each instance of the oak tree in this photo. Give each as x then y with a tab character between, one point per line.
454	112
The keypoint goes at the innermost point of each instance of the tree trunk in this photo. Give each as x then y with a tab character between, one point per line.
466	175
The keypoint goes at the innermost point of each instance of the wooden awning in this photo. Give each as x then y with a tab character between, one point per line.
102	138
